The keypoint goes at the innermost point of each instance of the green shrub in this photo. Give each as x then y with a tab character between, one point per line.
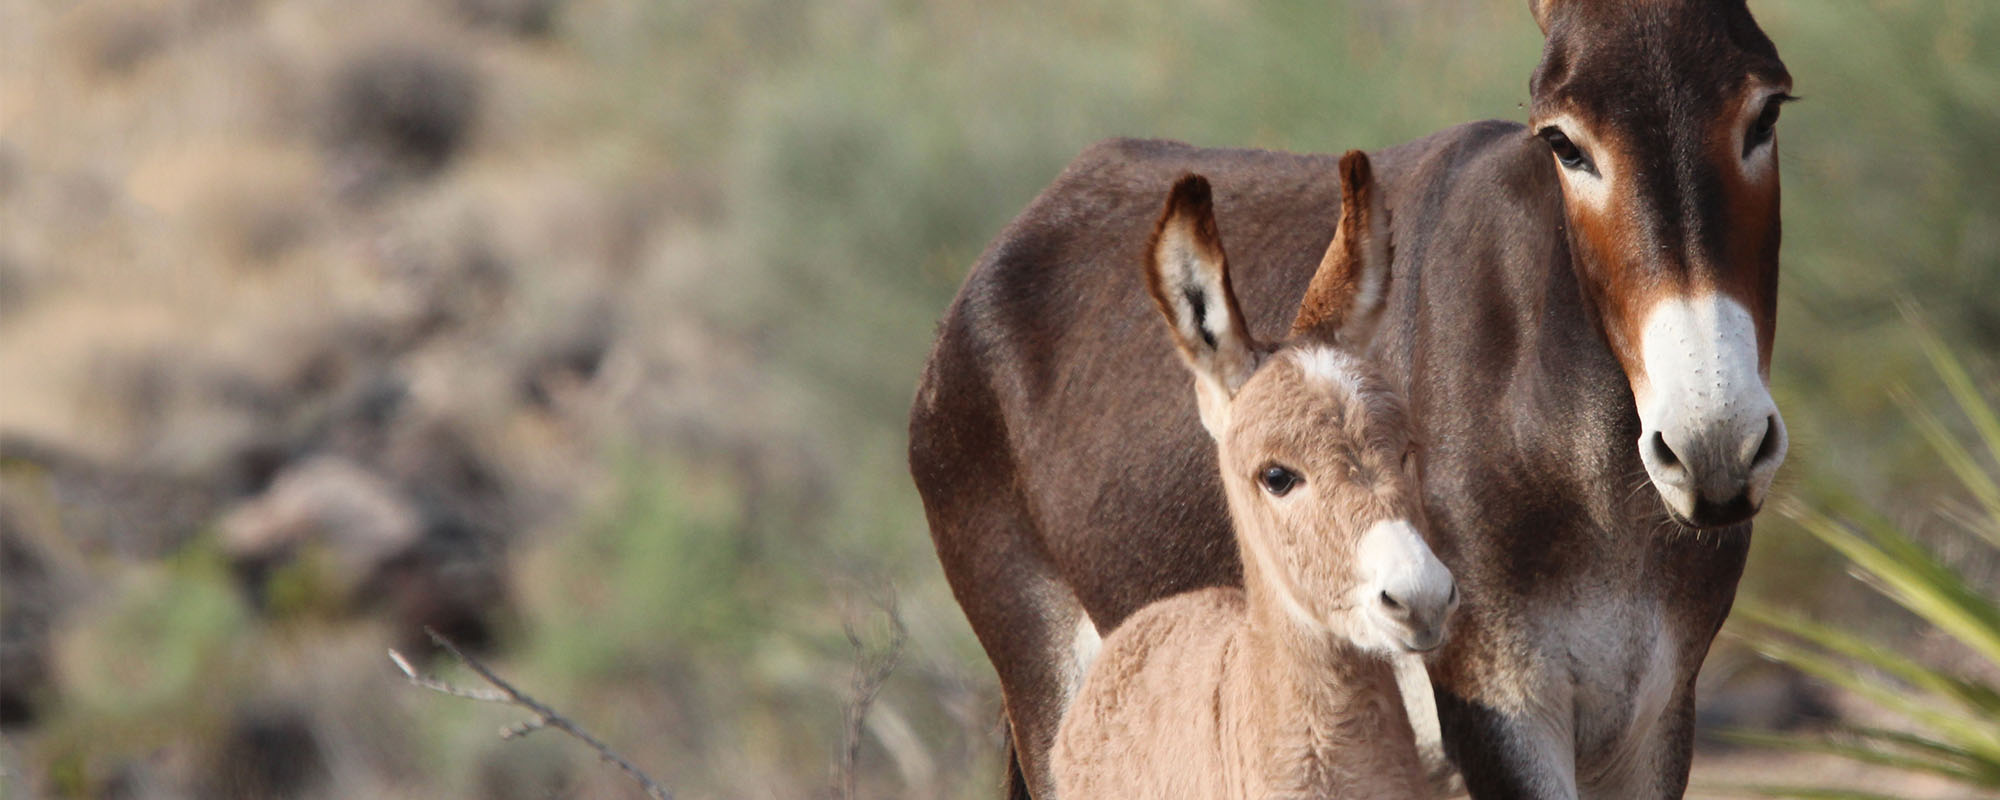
1952	720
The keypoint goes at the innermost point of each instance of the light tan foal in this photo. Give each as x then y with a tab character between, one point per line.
1282	688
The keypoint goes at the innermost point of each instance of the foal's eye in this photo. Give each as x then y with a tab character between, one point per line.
1566	151
1766	124
1278	480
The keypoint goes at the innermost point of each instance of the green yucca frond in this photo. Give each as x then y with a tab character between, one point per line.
1954	721
1882	748
1978	410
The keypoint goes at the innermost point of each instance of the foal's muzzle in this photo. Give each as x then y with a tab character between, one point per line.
1409	595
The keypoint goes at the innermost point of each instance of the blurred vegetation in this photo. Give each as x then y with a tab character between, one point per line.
1948	713
610	310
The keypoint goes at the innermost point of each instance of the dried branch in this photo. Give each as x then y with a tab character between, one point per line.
505	693
871	671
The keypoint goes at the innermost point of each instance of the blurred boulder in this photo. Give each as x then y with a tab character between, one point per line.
1759	695
399	110
334	536
15	285
448	473
517	771
327	505
117	38
11	172
32	594
129	510
524	18
566	358
268	752
451	584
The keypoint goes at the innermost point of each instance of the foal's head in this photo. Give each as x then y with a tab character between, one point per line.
1660	116
1315	451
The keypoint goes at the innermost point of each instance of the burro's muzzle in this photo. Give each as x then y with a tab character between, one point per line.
1711	437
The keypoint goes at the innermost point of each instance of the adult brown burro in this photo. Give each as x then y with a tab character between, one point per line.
1580	309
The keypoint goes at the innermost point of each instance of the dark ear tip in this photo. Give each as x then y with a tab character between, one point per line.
1190	194
1355	172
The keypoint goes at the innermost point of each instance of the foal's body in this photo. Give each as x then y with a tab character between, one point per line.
1281	688
1277	719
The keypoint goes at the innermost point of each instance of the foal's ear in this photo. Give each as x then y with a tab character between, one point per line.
1188	276
1345	299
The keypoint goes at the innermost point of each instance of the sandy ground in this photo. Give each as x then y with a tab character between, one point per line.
1716	770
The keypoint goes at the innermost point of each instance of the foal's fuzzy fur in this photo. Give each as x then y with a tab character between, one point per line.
1281	688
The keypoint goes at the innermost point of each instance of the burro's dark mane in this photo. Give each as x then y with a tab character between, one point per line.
1068	482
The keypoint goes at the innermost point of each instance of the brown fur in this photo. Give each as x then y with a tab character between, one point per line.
1066	477
1682	219
1338	280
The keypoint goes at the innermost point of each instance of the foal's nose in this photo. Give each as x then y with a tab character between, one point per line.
1419	616
1413	594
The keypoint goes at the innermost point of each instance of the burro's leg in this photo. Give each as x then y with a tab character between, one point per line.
1028	622
1606	713
1525	751
1655	762
1025	616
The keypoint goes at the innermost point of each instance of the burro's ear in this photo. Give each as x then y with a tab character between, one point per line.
1542	9
1188	276
1344	301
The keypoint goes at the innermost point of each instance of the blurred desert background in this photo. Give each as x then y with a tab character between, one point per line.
584	330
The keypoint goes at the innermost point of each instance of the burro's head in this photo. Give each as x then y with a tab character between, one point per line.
1660	118
1313	443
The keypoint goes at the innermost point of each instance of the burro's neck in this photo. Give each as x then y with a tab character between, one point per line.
1314	715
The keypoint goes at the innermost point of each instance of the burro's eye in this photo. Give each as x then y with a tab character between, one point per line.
1567	153
1278	479
1766	124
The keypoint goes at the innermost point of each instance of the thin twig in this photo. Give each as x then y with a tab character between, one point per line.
441	687
870	673
545	717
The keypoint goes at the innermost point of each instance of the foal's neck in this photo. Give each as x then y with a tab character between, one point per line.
1327	717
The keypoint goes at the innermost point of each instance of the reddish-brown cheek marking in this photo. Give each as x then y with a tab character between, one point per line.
1750	243
1609	241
